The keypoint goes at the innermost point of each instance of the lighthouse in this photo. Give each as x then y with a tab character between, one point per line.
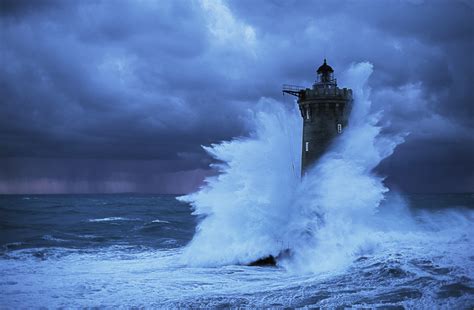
325	110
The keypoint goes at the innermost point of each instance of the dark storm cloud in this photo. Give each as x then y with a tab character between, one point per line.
150	82
422	55
103	80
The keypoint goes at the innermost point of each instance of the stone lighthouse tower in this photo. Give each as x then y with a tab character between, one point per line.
325	109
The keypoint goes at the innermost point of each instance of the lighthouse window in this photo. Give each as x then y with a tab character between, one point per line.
307	113
307	146
339	128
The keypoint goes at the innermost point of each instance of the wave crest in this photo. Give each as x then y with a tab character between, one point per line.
258	205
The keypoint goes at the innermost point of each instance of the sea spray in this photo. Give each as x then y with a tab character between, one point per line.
248	205
340	195
258	205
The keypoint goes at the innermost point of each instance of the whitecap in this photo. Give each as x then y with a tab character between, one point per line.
111	219
12	244
160	221
51	238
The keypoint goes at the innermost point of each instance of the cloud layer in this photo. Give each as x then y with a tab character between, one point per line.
126	92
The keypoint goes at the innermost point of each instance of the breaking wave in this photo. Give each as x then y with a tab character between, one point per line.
259	205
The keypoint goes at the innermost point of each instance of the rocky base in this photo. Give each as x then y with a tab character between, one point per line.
271	260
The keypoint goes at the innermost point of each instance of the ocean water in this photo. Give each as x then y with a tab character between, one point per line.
353	242
127	250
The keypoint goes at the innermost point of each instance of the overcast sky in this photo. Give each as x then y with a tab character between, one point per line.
119	96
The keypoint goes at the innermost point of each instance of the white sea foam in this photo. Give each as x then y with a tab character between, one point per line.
117	277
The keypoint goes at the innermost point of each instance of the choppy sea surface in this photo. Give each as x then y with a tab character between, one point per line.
353	242
125	250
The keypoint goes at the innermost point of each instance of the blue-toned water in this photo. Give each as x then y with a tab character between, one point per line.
90	221
126	250
353	242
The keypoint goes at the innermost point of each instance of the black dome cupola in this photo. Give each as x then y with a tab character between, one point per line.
325	73
325	68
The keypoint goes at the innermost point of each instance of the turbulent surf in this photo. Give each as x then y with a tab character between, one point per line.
352	242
